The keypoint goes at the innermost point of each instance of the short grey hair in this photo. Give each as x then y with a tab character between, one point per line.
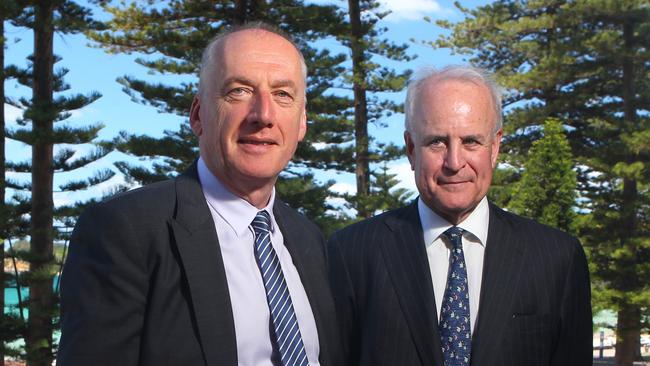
210	50
453	72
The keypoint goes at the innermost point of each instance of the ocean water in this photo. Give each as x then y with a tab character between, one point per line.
11	297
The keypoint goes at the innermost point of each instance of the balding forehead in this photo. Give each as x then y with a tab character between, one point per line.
451	93
215	50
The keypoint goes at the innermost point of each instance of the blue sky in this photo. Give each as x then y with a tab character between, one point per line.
92	69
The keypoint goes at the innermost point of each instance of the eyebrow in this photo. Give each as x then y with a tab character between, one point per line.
284	83
445	137
238	80
474	137
246	81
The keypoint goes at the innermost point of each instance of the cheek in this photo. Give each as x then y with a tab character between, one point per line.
426	166
482	164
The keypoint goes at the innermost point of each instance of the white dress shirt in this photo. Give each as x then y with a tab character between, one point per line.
232	217
439	249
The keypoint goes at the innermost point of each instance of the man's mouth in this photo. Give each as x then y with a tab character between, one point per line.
260	142
452	183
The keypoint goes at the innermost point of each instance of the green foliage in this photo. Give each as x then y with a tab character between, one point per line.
311	199
503	183
384	195
65	159
547	189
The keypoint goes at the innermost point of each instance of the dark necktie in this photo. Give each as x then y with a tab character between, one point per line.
454	327
288	340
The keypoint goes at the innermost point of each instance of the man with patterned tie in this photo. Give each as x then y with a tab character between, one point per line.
210	268
452	279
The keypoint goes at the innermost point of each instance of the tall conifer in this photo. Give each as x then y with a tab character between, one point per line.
547	189
368	77
37	129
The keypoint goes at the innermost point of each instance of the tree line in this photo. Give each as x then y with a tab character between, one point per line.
575	153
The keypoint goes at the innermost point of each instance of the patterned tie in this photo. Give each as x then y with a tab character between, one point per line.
288	340
454	327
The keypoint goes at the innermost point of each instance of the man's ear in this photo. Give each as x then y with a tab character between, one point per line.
496	143
303	125
195	119
410	148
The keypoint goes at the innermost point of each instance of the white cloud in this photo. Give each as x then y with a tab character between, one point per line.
342	187
404	174
413	9
12	113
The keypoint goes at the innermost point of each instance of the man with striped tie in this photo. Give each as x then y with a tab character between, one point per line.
210	268
452	279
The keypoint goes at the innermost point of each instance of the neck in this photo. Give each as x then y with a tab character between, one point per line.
258	198
254	192
454	218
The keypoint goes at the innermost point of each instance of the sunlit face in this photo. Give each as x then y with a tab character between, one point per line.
250	115
452	146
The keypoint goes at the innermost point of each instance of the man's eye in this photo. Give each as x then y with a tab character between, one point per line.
237	93
283	94
436	142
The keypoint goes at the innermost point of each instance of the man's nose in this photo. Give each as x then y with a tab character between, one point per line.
262	110
454	158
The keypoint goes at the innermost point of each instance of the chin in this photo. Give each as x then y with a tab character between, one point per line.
455	209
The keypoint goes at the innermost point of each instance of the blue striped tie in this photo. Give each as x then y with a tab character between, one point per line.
454	327
288	340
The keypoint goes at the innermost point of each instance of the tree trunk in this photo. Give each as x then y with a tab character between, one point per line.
241	11
250	11
628	328
41	305
362	169
627	335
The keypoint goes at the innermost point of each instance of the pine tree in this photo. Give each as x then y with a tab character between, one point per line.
369	77
384	193
42	111
547	189
586	63
10	327
178	31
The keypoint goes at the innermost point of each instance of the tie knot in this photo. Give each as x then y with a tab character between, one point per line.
455	235
261	223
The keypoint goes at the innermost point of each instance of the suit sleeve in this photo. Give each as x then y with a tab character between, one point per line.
575	342
103	292
344	300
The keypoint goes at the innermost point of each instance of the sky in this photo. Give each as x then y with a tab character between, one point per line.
92	69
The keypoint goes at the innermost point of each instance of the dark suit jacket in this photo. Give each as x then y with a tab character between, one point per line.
144	283
535	297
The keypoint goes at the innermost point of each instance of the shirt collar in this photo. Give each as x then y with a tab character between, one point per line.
234	210
476	223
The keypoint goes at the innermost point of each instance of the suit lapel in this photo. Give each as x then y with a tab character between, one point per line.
502	266
406	260
200	254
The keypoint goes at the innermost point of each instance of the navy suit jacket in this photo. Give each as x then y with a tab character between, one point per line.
144	283
535	306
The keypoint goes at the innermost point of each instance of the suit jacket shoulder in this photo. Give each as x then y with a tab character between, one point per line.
526	226
535	298
143	266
